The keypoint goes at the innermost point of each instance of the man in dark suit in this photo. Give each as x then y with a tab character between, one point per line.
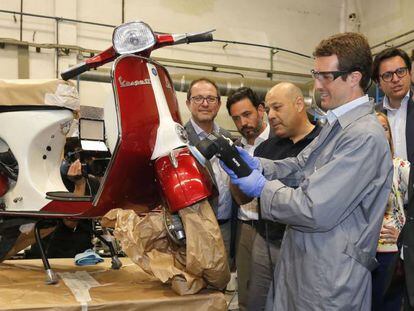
203	101
392	72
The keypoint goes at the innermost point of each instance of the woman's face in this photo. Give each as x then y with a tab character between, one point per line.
387	130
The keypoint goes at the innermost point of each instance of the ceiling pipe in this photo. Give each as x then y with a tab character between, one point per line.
182	82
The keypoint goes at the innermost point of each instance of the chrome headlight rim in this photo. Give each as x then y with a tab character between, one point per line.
125	25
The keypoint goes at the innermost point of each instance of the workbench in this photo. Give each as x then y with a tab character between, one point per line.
97	287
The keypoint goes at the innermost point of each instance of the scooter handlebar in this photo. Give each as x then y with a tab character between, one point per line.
74	71
189	37
200	37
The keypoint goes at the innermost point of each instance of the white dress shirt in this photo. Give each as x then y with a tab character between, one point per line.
249	211
397	117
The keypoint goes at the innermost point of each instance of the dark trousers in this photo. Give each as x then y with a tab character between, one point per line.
407	306
246	233
261	273
226	228
384	299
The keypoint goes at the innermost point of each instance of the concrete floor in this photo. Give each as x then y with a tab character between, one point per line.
231	293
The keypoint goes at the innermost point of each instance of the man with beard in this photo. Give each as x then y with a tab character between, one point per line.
247	113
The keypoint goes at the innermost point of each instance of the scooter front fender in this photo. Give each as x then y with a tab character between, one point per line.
182	180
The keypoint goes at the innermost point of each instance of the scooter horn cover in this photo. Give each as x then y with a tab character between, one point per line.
182	179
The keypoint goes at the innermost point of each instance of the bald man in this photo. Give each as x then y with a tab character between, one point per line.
288	119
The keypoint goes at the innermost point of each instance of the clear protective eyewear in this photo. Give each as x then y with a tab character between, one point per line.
327	76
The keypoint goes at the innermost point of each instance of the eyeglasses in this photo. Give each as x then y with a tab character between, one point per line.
200	99
400	72
327	76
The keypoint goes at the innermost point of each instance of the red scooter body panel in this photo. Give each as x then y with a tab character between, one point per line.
4	184
130	178
71	208
183	184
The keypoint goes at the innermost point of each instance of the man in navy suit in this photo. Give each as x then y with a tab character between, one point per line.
392	72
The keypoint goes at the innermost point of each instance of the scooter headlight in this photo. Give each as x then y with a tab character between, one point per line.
132	37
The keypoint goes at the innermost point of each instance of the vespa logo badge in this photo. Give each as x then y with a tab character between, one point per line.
125	83
154	71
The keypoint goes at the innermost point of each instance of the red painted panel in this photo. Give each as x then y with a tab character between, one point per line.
131	178
67	207
185	184
4	184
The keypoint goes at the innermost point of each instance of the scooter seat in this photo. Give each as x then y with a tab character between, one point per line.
29	108
28	93
67	196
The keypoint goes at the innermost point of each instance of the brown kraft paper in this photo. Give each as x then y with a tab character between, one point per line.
188	268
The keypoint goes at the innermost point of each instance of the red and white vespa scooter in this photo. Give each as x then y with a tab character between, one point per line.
150	161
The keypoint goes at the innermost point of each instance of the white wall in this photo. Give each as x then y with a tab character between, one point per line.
381	20
296	25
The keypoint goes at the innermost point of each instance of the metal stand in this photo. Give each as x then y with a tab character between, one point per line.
51	277
105	237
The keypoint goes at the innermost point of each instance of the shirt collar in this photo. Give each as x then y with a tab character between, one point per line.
262	137
333	115
200	132
387	106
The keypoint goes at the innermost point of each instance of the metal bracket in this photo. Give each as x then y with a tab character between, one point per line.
273	51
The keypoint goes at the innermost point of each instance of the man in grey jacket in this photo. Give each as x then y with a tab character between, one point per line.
343	180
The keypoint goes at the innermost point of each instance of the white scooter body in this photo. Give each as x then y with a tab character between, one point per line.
36	138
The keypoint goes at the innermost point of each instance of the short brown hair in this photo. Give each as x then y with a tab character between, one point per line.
353	52
203	80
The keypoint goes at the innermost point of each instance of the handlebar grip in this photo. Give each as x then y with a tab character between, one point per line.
202	37
74	71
